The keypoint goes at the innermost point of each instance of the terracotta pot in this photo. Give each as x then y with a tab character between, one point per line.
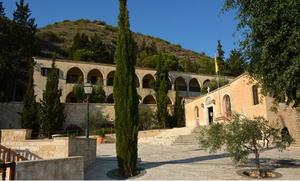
100	140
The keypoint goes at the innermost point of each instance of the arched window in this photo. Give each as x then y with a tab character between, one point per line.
149	99
74	75
255	94
206	82
149	81
227	105
180	84
95	76
110	78
196	112
194	85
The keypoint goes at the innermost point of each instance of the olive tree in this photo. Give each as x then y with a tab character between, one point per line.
243	136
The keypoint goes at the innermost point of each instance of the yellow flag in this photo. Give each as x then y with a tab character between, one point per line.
216	65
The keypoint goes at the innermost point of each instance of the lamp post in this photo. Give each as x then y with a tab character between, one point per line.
88	88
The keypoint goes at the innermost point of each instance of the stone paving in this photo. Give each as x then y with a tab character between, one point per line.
192	163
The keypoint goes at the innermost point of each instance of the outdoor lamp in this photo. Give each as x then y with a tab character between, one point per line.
88	89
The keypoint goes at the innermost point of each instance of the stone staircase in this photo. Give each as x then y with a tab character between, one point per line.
188	140
167	137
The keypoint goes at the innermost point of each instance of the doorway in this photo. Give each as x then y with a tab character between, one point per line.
210	111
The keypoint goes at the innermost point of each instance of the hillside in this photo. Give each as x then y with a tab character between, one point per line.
59	36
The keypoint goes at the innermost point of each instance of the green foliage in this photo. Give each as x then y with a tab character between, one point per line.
178	113
52	110
29	116
17	46
98	94
78	92
242	136
125	96
161	91
271	44
147	118
213	85
83	55
236	64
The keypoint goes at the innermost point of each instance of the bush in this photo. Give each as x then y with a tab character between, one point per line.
147	119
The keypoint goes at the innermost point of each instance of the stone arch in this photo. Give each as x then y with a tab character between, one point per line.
169	84
180	84
149	99
149	81
110	99
71	98
206	82
227	105
74	75
194	85
94	76
110	78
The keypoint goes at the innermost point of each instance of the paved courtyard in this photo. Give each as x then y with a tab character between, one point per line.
191	162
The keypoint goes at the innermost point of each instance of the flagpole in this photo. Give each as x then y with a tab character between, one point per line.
218	84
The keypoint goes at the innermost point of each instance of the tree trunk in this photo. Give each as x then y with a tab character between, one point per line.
257	164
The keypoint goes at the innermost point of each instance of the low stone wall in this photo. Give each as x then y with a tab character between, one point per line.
149	133
71	168
58	147
75	113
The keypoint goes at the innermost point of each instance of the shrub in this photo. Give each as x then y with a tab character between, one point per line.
73	129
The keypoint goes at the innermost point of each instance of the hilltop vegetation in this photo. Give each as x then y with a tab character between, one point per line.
59	37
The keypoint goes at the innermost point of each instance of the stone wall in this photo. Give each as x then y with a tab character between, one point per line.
75	113
71	168
58	147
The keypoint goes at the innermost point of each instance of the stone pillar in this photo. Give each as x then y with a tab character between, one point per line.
104	82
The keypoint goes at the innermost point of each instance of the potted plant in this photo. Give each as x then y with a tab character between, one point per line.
100	136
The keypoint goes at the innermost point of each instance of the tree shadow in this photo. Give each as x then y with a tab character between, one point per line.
273	164
148	165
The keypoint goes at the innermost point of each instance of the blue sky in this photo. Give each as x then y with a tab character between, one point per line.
194	24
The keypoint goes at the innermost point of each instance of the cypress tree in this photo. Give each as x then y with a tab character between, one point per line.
52	110
161	91
29	114
179	111
125	96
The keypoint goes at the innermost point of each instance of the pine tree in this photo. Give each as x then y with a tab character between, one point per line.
179	111
125	96
161	91
23	41
29	115
52	110
2	13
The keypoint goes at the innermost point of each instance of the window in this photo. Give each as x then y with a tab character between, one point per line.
45	71
255	94
227	105
196	112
